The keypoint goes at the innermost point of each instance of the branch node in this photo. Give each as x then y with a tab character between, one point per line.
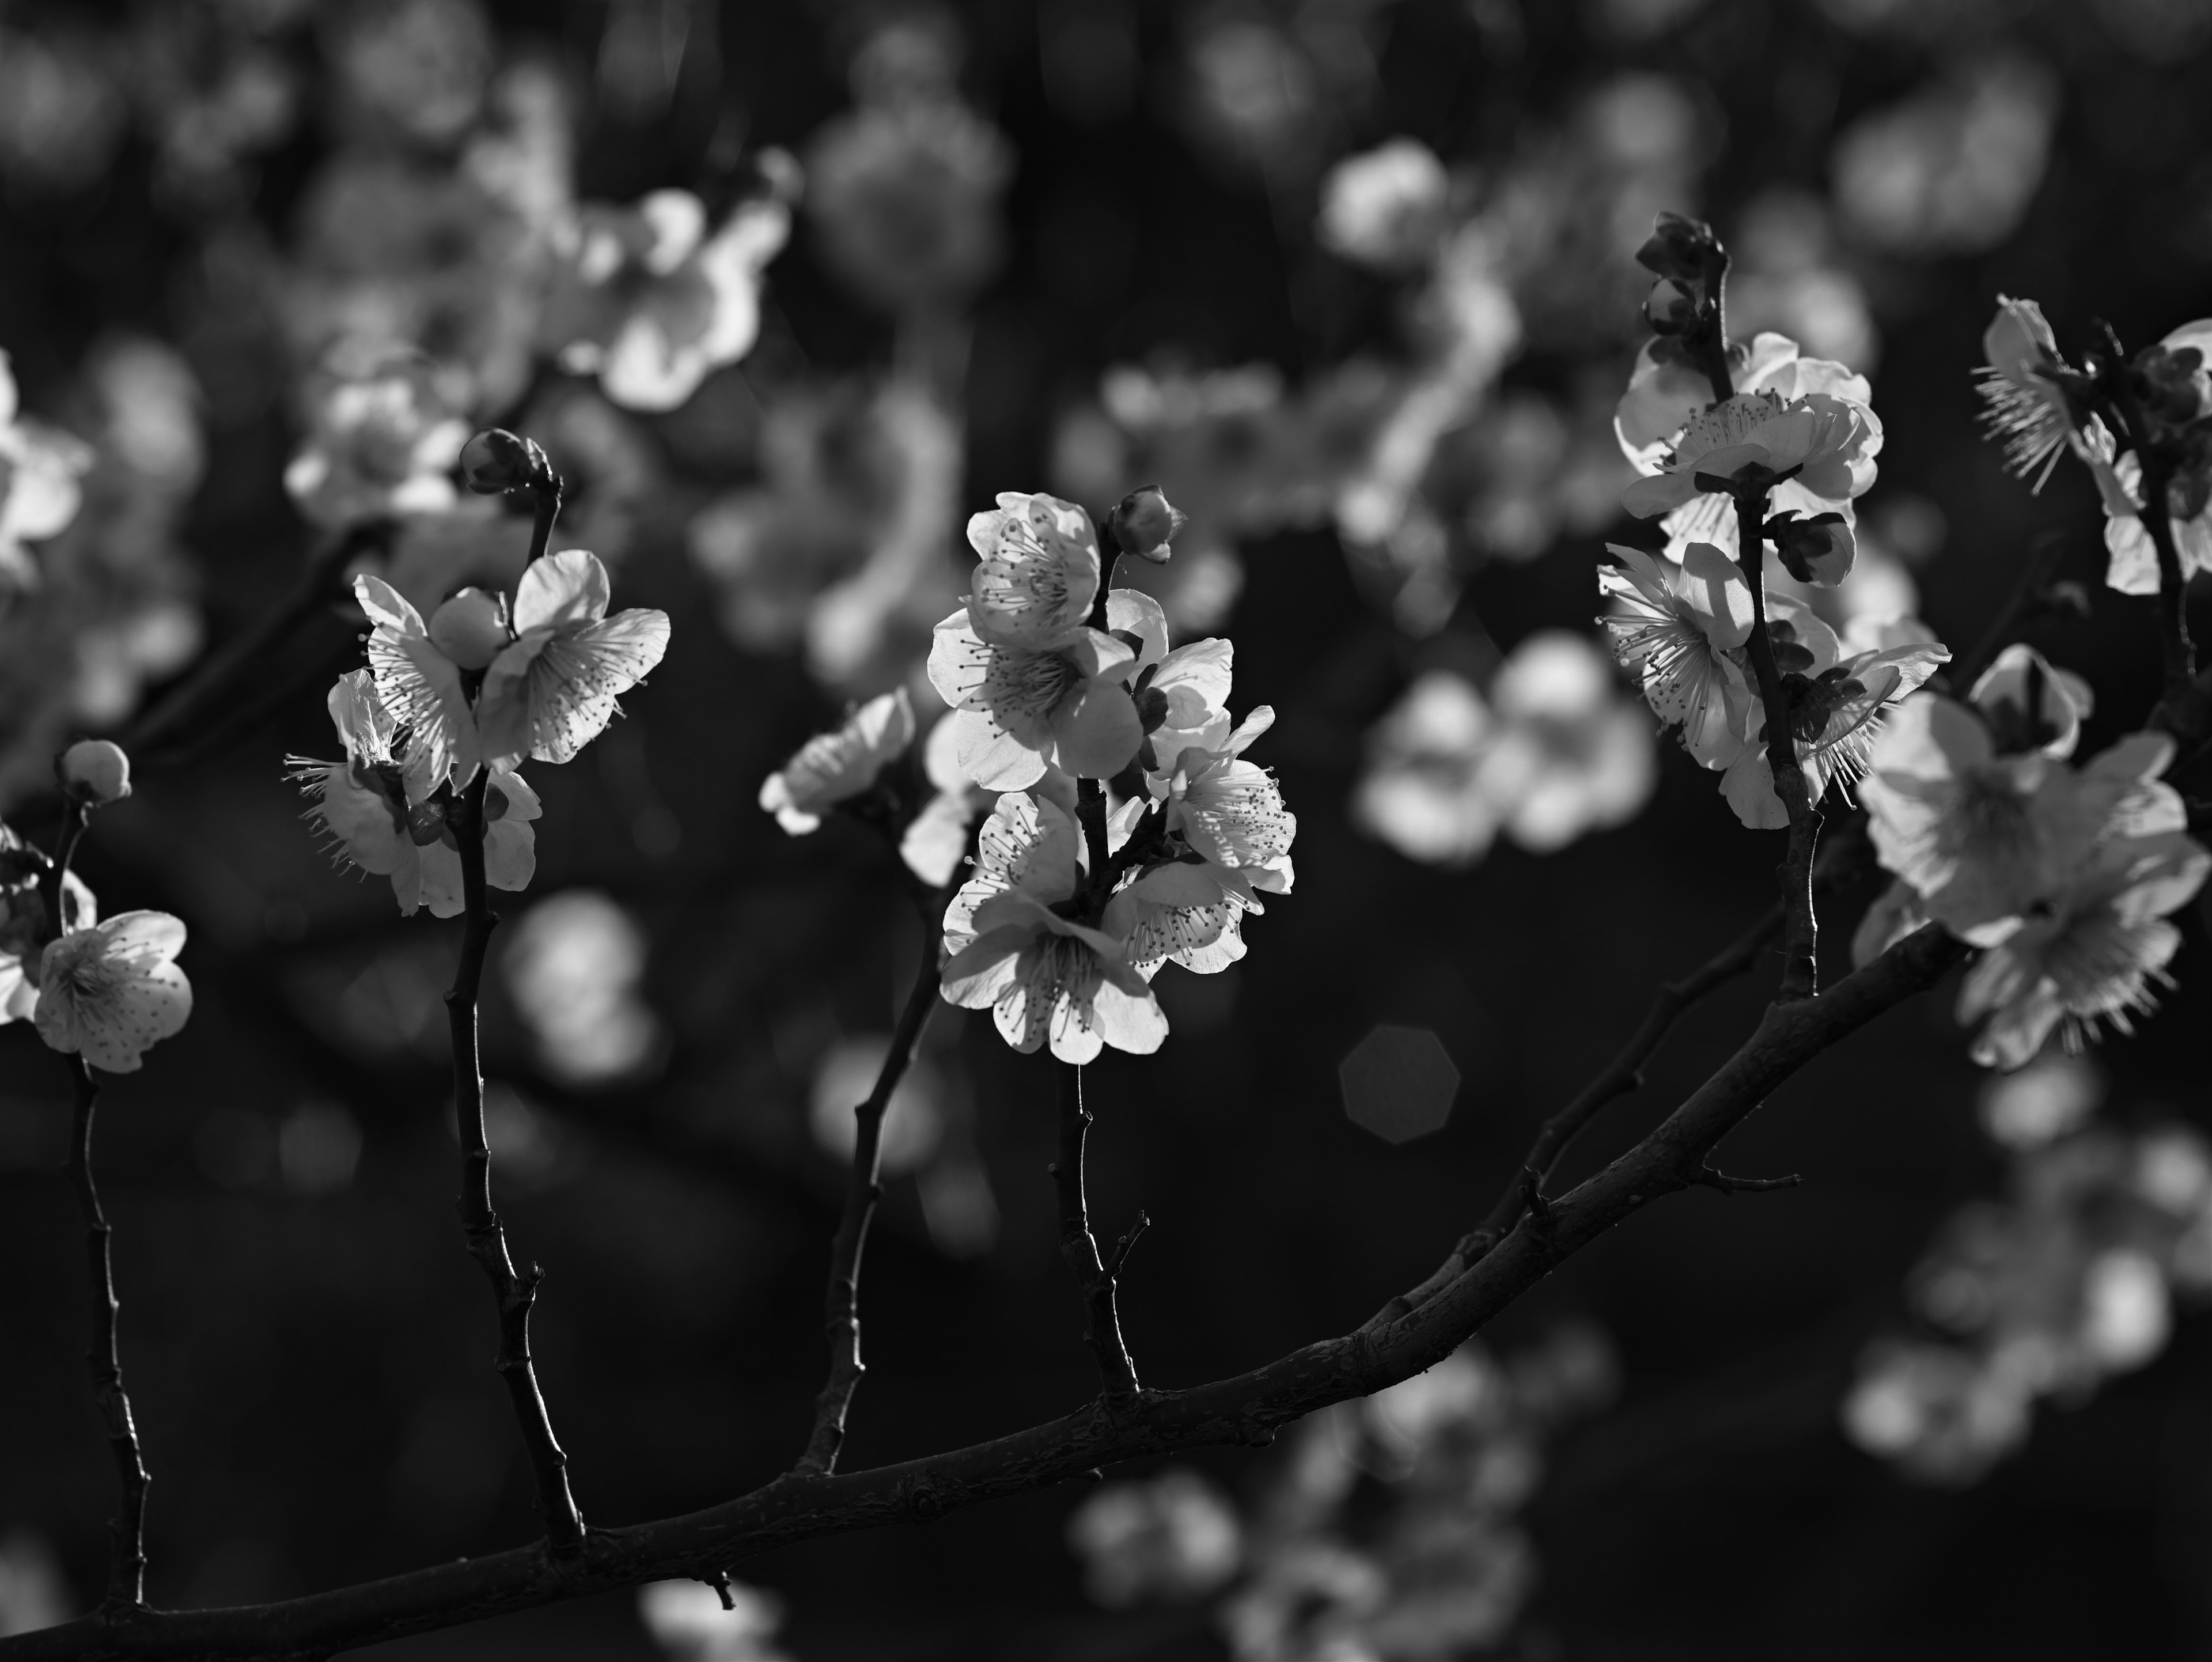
1128	1241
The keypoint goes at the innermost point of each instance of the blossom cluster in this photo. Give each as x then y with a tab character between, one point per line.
483	686
1389	1531
1125	829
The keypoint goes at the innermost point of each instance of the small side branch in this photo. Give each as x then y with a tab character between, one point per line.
1707	1177
126	1566
841	1306
1801	974
1081	1248
513	1293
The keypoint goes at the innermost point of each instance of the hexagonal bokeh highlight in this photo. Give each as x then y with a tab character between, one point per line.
1399	1083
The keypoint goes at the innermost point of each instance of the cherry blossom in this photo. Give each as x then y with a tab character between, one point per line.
553	691
111	992
365	806
1044	977
834	767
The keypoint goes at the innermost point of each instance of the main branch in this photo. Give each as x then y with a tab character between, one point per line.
126	1563
841	1313
513	1293
1800	971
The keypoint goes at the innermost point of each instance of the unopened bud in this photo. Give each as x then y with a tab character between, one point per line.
95	772
1681	248
2171	382
1669	308
1817	550
1144	521
471	629
496	461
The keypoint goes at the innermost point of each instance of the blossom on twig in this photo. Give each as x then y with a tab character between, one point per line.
111	992
836	766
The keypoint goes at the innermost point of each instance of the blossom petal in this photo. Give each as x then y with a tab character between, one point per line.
571	586
1098	731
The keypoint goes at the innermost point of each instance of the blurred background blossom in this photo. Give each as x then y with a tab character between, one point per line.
788	291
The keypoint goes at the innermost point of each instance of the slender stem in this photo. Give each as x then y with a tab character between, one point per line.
513	1293
53	882
1801	974
841	1311
1080	1247
2177	653
126	1565
545	495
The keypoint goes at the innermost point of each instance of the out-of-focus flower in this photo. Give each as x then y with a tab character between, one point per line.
1787	276
2091	956
903	194
1952	169
2048	1098
1943	1414
1679	627
61	113
1042	976
650	301
375	821
111	992
1895	914
39	490
1983	836
695	1622
2134	565
34	1594
384	428
1030	682
574	964
1171	1537
553	691
834	767
25	925
913	1118
936	841
417	67
1556	754
1385	207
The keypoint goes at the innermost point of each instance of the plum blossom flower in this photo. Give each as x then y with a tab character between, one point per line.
1385	207
2090	951
834	767
1030	682
1837	708
24	923
2133	566
1172	1536
1680	627
1181	695
385	428
935	841
553	690
1820	416
419	688
651	302
111	992
39	491
1044	977
1229	811
363	805
2026	408
1555	753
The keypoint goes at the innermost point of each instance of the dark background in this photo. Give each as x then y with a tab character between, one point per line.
311	1370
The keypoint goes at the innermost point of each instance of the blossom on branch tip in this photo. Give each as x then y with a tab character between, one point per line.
836	766
111	992
419	688
1229	811
1824	444
1680	627
553	690
364	805
1044	977
2026	408
2133	566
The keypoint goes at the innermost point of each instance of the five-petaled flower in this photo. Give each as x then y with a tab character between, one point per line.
1010	948
552	691
836	766
1029	681
1680	626
111	992
363	805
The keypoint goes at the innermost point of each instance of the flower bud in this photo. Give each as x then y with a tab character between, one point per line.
95	772
1144	521
471	629
1818	550
1683	249
496	461
1669	308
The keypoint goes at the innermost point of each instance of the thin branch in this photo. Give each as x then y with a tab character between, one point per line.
1624	1074
1801	967
486	1237
1103	1326
1246	1408
842	1312
126	1563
